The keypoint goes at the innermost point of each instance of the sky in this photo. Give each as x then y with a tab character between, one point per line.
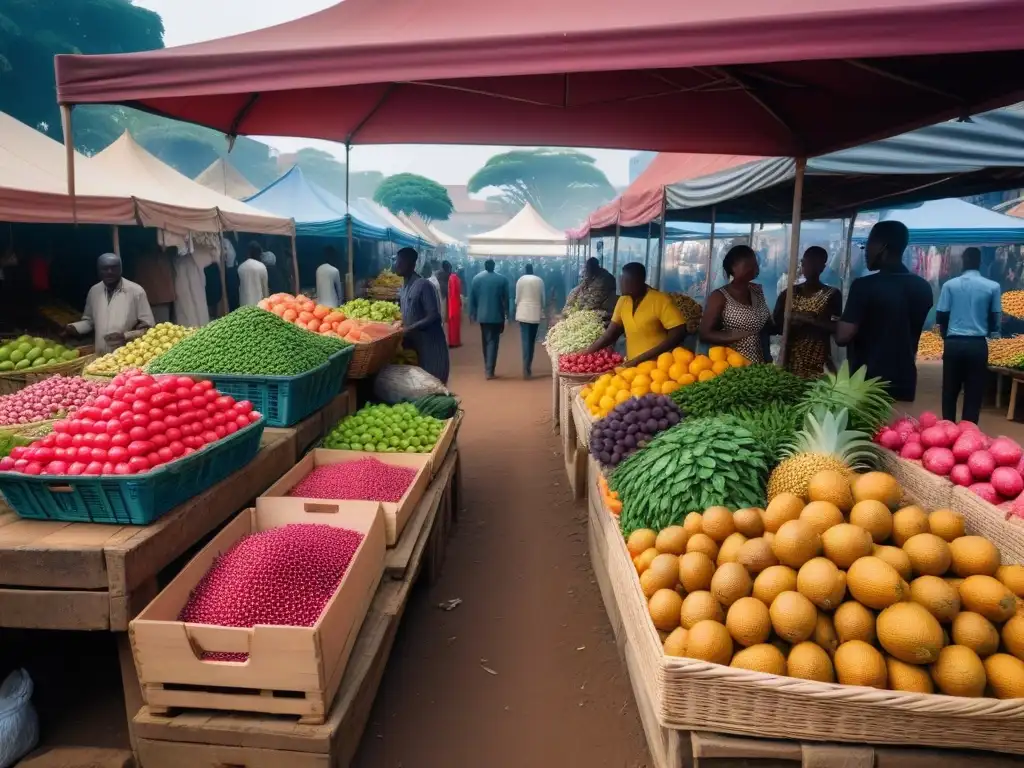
191	21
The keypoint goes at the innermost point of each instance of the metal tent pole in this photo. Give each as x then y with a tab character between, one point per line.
295	263
711	255
69	157
350	281
847	264
647	253
794	254
615	248
751	243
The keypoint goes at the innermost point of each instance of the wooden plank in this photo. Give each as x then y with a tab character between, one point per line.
44	553
170	754
133	700
54	609
397	560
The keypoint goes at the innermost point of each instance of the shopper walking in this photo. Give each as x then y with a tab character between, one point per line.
968	313
488	305
529	311
421	317
454	305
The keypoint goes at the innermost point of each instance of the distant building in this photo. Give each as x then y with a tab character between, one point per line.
471	216
638	164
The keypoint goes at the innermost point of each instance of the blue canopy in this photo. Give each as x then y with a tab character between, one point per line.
955	222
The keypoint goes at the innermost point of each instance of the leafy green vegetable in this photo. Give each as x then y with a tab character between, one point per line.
773	427
867	400
575	332
9	441
754	386
438	406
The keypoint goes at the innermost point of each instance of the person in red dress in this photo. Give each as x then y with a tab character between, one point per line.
454	305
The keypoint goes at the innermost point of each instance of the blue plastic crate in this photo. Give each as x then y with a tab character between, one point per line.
286	400
130	499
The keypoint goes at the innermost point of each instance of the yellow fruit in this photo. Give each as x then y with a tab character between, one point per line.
987	596
1013	636
676	371
874	517
718	523
874	583
877	486
822	583
709	641
895	557
606	403
700	606
782	509
719	367
730	548
832	486
959	672
700	363
618	382
665	361
748	621
909	633
667	565
845	544
858	663
717	354
822	515
682	356
693	523
647	366
946	524
686	380
675	643
622	396
760	658
656	387
1013	577
929	555
793	617
641	380
974	556
730	582
639	391
808	661
644	559
795	543
748	522
640	540
755	555
1005	676
974	631
669	387
705	376
658	376
735	359
908	522
772	582
664	607
936	596
825	633
907	677
695	571
854	622
701	542
651	581
672	540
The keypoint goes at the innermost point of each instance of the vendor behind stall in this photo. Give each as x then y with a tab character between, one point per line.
116	309
649	318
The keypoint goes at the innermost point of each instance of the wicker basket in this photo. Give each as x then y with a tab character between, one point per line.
927	489
12	381
584	422
991	522
369	358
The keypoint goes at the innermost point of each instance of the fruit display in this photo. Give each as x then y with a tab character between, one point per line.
51	398
29	353
1013	304
610	497
930	346
366	479
367	309
307	314
248	341
691	310
1005	352
138	352
136	423
594	363
575	332
630	426
386	429
867	400
752	386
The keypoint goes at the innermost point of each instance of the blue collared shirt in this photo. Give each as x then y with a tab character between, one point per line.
970	300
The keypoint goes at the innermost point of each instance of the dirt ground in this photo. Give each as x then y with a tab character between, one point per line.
524	672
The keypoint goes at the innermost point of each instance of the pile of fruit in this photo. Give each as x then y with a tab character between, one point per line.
248	341
366	479
387	280
28	353
692	311
1006	352
386	429
610	497
930	346
136	423
596	362
671	371
51	398
630	426
1013	304
378	311
138	352
575	332
843	584
305	313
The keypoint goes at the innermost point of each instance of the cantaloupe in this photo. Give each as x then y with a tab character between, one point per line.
693	523
675	643
668	566
643	561
821	515
1005	675
672	540
854	622
664	607
908	677
755	555
874	517
874	583
809	661
1013	636
795	543
929	555
793	616
877	486
974	556
749	522
946	524
782	509
748	622
718	524
821	582
908	522
640	540
1013	577
825	633
974	631
730	582
959	672
651	581
701	542
772	582
730	548
895	557
936	596
858	663
908	632
845	544
988	596
709	641
760	658
700	606
832	486
695	571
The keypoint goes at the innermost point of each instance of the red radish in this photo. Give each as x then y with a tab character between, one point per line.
912	451
961	475
1006	452
1007	482
969	426
986	492
938	461
981	464
969	442
889	438
952	433
935	437
927	419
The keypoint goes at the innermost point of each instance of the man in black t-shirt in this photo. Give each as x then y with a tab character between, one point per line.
885	313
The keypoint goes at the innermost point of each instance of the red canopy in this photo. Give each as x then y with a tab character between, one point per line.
767	77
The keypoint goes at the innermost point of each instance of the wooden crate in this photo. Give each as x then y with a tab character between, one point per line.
444	443
289	670
583	422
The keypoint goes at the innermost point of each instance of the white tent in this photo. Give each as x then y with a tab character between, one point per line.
221	176
526	235
442	237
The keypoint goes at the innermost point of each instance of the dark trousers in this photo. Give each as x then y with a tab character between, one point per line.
528	335
964	367
490	333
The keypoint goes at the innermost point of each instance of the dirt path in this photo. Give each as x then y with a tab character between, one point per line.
524	672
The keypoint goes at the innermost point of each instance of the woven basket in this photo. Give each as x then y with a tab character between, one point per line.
928	490
12	381
583	421
990	521
383	294
369	358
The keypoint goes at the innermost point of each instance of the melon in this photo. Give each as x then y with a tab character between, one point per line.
640	540
664	607
973	556
874	583
989	597
821	515
668	566
709	641
672	540
730	548
821	582
974	631
693	523
831	486
1013	636
877	486
651	581
643	561
895	557
701	542
929	554
936	596
718	524
858	663
1005	676
760	658
700	606
793	616
772	582
748	621
749	522
756	555
908	632
808	661
908	677
695	571
783	508
845	544
874	517
908	522
795	543
1013	577
946	524
730	582
825	633
959	672
675	643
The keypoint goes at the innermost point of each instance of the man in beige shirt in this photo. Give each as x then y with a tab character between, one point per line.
116	309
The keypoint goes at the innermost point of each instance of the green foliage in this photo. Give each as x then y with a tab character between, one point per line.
867	400
409	193
754	386
774	427
563	185
697	464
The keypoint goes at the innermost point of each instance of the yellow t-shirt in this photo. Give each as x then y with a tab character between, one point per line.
648	325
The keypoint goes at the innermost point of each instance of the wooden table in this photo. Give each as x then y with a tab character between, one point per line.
1015	377
315	426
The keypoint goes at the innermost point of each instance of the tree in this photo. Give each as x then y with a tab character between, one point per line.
409	193
562	184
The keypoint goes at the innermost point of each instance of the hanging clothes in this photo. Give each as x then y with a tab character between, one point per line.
190	307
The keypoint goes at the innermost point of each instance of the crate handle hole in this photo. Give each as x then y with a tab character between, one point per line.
60	489
312	506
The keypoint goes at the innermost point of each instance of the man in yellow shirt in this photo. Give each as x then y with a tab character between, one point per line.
651	321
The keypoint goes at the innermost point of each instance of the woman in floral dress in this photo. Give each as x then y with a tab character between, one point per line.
816	309
737	315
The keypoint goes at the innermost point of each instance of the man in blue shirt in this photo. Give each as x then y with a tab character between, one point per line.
969	311
488	305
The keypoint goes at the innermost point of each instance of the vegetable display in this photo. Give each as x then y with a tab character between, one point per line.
387	280
751	387
10	440
930	346
386	429
438	406
50	398
867	400
366	479
27	353
631	426
575	332
367	309
135	424
249	341
138	352
595	362
773	427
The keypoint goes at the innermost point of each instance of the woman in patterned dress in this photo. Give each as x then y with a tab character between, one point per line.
737	315
816	308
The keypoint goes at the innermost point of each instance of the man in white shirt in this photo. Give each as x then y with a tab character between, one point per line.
529	311
253	281
328	280
116	310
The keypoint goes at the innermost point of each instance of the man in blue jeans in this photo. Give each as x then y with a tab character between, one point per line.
488	305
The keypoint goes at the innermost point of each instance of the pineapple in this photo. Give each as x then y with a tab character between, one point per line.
823	443
867	400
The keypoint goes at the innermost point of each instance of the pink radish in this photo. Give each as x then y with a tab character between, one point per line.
986	492
927	419
890	438
966	444
938	460
981	464
961	475
935	437
1007	482
912	451
1005	451
952	433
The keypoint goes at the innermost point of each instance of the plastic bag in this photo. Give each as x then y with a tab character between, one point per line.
19	725
401	383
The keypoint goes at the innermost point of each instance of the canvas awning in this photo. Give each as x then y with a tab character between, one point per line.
525	235
956	222
443	238
221	176
419	226
793	78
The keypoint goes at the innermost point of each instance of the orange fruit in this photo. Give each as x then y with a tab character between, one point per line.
658	376
720	366
682	355
718	354
686	380
676	370
735	359
706	375
656	387
647	366
700	363
669	387
665	361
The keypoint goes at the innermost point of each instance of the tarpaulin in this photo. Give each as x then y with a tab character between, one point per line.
525	235
956	222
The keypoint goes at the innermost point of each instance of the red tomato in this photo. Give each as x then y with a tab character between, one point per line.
144	393
76	440
140	448
153	459
242	421
98	454
50	440
63	438
160	399
101	441
77	468
83	454
61	426
205	384
173	433
121	439
42	453
172	409
140	406
113	427
127	419
184	381
119	407
122	469
243	406
159	440
225	401
117	454
171	421
140	420
212	395
155	414
165	454
108	468
99	427
129	397
176	447
90	412
231	427
88	439
93	468
255	416
138	433
182	393
219	419
208	423
167	384
220	431
209	436
198	401
33	468
56	468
